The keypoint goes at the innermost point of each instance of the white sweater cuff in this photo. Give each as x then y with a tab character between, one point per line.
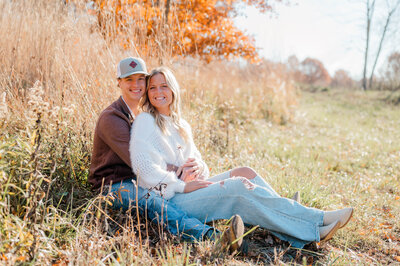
178	186
172	188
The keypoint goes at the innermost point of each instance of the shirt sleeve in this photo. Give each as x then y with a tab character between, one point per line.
115	132
147	161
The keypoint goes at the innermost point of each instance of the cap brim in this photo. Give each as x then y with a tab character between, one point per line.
132	73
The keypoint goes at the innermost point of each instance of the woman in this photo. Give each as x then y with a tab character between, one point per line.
160	137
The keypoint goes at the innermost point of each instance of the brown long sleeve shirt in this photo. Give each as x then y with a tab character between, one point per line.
110	157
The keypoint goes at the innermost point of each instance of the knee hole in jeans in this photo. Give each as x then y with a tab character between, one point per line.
244	171
243	181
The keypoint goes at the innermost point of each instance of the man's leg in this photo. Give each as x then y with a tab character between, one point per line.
159	210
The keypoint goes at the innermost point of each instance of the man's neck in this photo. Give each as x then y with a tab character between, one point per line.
133	106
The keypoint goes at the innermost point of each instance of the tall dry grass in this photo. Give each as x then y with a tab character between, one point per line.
59	46
57	74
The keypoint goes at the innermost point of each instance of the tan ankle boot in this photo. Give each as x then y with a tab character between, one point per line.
342	215
327	232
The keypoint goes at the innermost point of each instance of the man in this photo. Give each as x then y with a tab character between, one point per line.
111	164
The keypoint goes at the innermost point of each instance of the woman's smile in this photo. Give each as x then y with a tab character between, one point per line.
159	98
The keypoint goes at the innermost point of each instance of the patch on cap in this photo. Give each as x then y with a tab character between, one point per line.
133	64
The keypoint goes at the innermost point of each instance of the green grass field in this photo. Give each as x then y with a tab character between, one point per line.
342	149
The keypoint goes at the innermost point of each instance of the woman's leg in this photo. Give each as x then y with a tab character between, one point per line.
244	171
256	205
158	210
220	177
250	174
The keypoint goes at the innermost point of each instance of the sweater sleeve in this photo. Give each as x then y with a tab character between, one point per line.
148	163
114	131
196	153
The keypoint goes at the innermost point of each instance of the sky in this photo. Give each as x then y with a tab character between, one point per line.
331	31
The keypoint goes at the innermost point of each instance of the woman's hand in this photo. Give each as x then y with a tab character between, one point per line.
190	170
195	185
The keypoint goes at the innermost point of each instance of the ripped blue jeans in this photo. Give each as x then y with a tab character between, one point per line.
159	210
257	203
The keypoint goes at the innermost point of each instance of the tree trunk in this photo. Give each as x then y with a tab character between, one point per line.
370	12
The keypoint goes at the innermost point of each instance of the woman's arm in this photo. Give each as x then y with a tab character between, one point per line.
147	162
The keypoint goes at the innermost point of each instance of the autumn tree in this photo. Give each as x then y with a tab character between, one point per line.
342	79
314	72
203	28
392	72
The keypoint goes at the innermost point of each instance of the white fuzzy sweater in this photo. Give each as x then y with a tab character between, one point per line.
151	150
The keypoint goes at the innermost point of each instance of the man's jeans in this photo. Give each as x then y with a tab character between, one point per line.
159	210
257	203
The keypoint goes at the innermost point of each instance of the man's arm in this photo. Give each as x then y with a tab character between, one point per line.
115	132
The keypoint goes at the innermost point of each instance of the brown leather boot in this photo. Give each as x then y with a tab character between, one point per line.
231	239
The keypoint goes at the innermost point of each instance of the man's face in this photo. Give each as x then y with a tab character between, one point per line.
133	87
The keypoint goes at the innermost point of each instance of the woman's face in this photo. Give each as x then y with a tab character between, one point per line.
160	95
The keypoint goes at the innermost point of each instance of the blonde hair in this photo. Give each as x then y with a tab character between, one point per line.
174	107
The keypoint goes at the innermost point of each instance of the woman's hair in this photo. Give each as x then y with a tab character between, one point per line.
175	111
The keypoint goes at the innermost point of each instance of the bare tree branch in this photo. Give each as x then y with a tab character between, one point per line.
385	28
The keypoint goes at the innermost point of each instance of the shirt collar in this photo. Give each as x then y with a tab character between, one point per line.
130	111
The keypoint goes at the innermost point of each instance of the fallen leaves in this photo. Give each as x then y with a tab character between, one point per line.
3	257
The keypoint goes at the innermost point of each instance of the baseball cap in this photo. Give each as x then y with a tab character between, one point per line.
130	66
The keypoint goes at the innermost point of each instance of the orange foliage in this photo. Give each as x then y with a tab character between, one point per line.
310	71
314	72
342	79
186	27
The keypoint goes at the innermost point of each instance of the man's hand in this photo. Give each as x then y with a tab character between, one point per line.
190	170
195	185
172	168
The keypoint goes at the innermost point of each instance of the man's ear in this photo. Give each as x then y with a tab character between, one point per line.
118	80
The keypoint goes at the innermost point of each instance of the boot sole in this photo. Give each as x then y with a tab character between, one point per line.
332	232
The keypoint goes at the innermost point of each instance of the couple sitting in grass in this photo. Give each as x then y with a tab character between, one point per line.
142	139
